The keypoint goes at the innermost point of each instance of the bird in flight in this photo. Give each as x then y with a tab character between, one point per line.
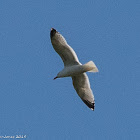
73	68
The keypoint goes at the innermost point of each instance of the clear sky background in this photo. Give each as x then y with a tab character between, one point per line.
35	105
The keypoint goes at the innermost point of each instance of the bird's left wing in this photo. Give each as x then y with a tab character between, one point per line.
60	45
82	87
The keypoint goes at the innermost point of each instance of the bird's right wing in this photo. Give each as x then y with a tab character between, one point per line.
60	45
82	87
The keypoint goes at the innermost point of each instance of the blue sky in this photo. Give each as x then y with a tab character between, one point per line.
33	104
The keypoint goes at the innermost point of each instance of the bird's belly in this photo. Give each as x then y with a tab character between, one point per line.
73	70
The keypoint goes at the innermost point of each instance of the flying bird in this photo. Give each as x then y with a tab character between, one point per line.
73	68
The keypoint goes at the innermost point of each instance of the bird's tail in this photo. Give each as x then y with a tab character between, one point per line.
90	67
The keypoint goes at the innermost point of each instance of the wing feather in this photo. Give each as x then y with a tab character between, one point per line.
60	45
82	87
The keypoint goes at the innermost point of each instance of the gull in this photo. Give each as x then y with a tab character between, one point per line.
73	68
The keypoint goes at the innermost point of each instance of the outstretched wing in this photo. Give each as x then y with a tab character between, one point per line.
60	45
82	87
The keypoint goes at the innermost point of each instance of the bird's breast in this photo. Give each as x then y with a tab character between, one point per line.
72	71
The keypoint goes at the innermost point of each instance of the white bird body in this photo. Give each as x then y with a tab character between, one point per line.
73	68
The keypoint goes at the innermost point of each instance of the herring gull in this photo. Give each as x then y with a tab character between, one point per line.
73	68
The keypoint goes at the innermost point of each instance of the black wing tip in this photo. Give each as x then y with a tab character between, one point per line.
52	33
53	29
89	104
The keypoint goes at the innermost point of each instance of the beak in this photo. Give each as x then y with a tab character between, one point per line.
55	78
